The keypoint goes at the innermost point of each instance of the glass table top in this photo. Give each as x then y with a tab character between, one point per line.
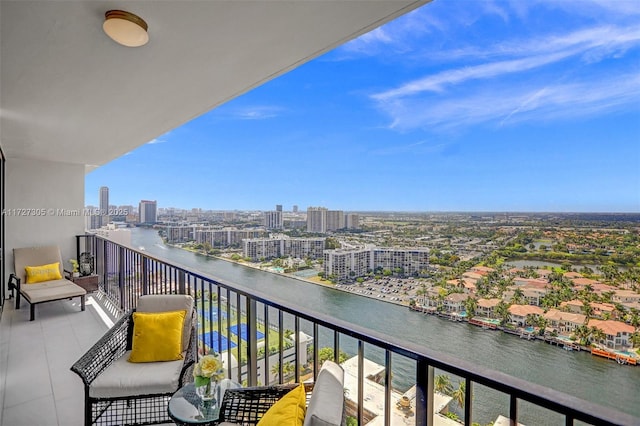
186	407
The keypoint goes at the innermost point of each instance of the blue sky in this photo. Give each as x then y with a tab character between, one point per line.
457	106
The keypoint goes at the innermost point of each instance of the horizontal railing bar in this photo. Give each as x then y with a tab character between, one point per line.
542	396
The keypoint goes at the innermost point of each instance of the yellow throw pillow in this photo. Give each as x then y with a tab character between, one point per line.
42	273
157	336
288	411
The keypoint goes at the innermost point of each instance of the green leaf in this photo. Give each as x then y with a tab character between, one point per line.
201	381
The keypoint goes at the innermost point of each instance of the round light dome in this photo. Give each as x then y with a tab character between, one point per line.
125	28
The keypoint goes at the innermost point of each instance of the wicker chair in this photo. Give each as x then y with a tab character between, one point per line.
123	393
325	400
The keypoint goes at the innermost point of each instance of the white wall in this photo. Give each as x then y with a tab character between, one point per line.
34	184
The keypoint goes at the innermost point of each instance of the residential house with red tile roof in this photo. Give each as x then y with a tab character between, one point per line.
454	303
515	271
617	333
467	285
564	322
531	295
599	309
575	306
473	276
482	270
571	275
530	282
487	307
625	296
580	283
544	273
519	313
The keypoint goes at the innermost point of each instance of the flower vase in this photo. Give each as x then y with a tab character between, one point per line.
206	388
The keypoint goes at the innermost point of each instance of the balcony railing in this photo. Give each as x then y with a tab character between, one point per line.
246	325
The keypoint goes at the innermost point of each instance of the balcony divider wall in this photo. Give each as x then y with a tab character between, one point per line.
268	341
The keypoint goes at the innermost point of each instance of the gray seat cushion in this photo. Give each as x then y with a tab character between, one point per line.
326	405
170	302
51	290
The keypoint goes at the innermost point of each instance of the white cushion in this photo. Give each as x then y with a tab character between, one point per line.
326	405
124	378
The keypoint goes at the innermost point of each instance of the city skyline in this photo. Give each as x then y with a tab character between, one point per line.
465	106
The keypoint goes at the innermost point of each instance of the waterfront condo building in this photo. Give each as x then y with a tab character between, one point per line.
226	237
269	248
344	264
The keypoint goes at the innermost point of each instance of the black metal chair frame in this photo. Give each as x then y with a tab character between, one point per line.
246	406
145	409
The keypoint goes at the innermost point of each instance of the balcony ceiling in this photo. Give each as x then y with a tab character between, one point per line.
68	93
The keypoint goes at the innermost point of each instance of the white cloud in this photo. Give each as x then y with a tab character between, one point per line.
255	112
532	103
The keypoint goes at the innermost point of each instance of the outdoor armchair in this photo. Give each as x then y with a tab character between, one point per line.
39	278
325	400
121	392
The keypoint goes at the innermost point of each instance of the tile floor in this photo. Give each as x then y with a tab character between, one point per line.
36	386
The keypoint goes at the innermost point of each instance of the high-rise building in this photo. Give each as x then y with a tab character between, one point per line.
352	221
321	220
335	220
317	219
279	207
273	220
148	211
295	208
104	205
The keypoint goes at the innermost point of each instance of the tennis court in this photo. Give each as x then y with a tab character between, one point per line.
225	343
214	314
243	332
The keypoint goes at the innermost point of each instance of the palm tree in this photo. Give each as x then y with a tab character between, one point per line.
275	369
442	384
288	369
502	310
518	296
587	310
470	306
597	334
458	395
582	335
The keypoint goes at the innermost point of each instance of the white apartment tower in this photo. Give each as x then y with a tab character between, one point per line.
273	220
352	221
335	220
148	211
317	219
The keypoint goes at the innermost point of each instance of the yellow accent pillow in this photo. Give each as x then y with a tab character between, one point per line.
288	411
157	336
42	273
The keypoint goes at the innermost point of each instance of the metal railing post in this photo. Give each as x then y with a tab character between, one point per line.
252	342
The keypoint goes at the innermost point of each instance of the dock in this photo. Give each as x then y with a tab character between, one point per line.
619	358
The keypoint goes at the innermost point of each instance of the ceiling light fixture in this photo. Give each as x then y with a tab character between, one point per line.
125	28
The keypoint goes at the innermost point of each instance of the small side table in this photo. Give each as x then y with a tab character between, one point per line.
88	282
186	408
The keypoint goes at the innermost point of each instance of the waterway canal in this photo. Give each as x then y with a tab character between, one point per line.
580	374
